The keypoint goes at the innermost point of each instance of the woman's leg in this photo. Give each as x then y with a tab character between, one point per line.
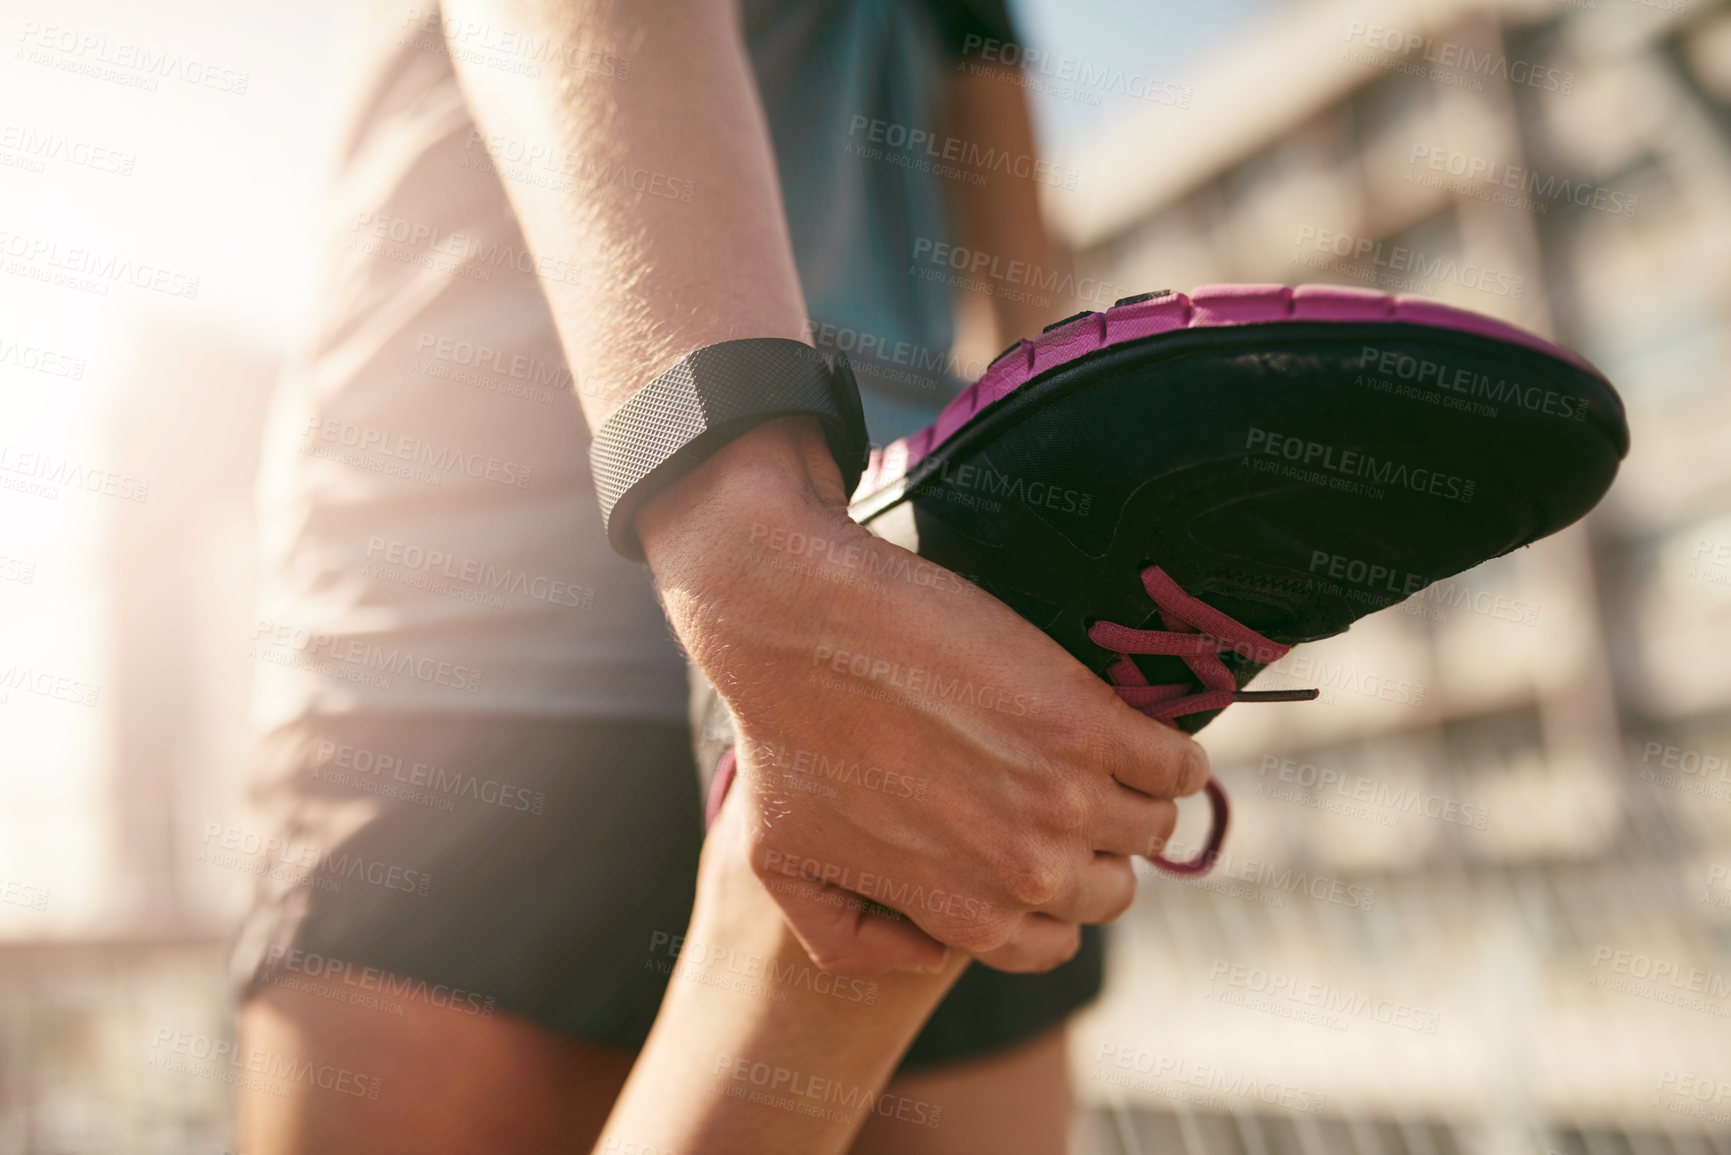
1015	1102
444	1082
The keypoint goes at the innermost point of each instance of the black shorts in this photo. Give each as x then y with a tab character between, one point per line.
505	865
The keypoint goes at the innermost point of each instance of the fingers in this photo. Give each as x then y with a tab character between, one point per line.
1107	888
1040	942
1158	760
1133	823
1103	888
848	936
1043	939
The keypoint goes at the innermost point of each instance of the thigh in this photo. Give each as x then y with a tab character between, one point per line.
326	1076
456	942
479	867
1012	1102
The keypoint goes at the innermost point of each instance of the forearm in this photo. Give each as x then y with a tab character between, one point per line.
1002	217
754	1049
660	275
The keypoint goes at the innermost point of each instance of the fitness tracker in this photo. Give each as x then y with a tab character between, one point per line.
710	397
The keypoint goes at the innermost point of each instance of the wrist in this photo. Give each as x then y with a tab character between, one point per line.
779	469
715	396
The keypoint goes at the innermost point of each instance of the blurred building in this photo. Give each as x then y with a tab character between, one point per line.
86	1010
1476	896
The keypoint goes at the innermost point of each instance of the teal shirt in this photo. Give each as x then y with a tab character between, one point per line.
832	77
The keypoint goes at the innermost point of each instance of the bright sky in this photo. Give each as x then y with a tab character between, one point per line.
1162	40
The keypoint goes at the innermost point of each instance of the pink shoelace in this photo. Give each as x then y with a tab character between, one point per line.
1198	634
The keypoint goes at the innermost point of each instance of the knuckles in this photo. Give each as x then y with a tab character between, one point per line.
1066	806
1029	878
1125	898
846	964
1017	960
982	936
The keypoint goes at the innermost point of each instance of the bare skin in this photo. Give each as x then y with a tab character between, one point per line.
793	1069
1040	809
509	1087
1032	814
456	1082
447	1082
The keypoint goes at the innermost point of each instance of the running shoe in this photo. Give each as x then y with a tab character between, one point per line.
1182	488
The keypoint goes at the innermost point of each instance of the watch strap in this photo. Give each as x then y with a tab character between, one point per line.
711	396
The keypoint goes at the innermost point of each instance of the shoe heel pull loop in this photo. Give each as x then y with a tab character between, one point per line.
1219	817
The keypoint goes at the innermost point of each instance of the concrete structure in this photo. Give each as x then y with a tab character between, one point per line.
1522	774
